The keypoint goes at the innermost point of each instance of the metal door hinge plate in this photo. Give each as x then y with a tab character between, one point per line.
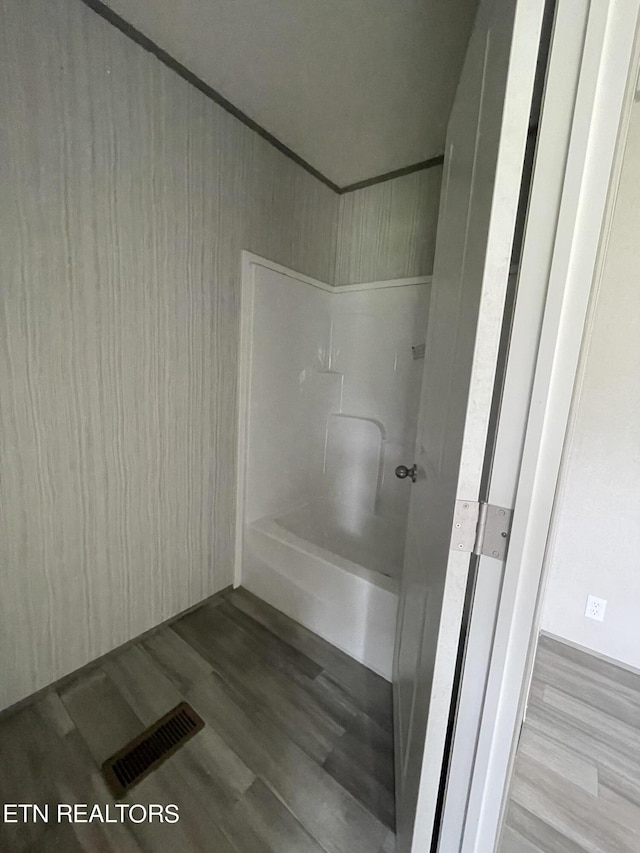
481	528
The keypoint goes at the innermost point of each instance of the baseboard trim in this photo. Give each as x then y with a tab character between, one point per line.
605	658
96	662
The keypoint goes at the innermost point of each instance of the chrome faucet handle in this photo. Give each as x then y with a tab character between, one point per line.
402	472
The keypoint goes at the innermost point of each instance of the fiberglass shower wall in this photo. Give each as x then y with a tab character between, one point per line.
335	384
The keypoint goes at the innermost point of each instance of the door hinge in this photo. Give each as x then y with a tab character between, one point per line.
481	528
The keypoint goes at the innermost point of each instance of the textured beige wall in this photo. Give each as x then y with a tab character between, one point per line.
126	197
388	230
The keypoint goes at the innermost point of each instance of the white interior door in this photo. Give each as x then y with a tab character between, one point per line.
484	155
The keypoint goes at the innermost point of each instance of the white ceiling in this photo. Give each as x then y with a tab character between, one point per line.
357	88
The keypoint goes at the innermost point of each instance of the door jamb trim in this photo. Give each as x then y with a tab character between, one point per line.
602	113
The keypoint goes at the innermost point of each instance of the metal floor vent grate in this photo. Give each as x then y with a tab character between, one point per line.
147	751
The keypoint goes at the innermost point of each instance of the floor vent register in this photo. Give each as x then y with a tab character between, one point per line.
144	753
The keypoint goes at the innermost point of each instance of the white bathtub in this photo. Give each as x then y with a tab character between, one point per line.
350	604
329	388
361	538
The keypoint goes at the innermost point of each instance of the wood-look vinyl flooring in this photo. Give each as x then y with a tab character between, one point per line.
296	755
576	782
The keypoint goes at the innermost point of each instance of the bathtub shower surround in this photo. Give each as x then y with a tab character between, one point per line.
331	381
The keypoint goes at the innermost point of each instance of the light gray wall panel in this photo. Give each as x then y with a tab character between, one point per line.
126	197
388	230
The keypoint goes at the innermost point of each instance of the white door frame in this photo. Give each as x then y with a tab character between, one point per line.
603	102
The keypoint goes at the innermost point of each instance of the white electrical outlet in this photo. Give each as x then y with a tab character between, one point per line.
595	608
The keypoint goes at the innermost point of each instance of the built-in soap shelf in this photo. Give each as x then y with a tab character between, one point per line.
378	425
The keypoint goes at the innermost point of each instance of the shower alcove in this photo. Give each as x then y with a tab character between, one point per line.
329	389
